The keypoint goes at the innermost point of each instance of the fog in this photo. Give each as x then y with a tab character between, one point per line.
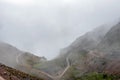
44	27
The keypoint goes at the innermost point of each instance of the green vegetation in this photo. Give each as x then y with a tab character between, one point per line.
97	76
74	74
31	59
36	66
83	52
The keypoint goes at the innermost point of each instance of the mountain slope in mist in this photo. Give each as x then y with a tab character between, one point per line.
8	54
75	52
110	47
103	58
111	41
89	40
20	60
89	54
96	51
12	56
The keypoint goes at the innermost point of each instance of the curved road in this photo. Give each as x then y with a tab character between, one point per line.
50	76
17	58
65	70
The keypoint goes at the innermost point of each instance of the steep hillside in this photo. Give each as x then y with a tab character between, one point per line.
88	41
110	48
82	45
88	54
111	41
108	54
8	54
103	58
20	60
75	52
12	57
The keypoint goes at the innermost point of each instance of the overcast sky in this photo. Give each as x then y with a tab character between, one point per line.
43	27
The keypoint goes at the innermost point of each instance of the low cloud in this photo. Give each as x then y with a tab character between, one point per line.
46	26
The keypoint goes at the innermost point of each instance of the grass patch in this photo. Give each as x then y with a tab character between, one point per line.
97	76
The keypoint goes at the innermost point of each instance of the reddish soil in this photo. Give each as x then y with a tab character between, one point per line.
7	73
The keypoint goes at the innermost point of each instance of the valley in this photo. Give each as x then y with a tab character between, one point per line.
96	53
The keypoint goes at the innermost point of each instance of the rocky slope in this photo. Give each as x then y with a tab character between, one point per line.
8	73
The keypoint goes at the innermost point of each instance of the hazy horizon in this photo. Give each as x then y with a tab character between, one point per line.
43	27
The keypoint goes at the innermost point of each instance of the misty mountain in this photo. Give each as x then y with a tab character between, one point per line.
106	54
111	41
75	52
88	53
95	51
110	48
89	40
11	56
20	60
103	54
8	54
